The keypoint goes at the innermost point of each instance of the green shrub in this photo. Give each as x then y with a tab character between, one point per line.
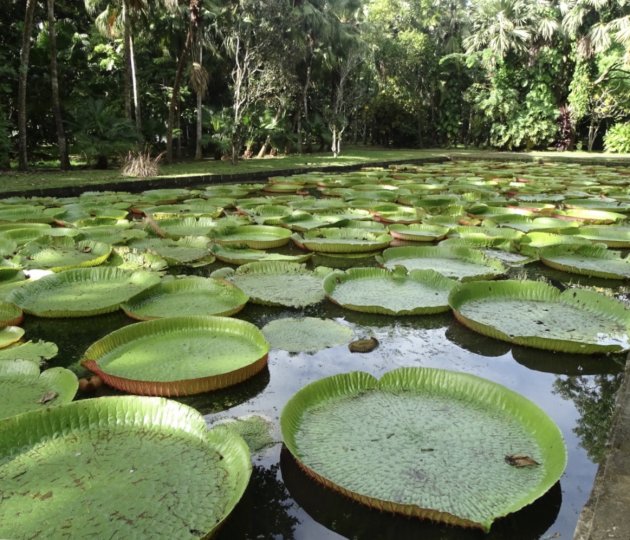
617	139
100	132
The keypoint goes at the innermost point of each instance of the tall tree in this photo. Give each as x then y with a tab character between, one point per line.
194	16
23	82
64	161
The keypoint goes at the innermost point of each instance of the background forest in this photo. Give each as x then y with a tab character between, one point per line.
243	78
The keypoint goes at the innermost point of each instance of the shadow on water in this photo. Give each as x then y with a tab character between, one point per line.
263	512
475	343
354	520
221	400
73	336
567	364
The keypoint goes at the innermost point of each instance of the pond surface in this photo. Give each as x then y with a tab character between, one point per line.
282	502
576	391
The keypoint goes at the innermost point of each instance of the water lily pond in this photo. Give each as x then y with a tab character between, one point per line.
517	274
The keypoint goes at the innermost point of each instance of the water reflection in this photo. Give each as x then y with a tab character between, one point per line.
226	398
263	512
73	336
594	398
353	520
566	363
474	342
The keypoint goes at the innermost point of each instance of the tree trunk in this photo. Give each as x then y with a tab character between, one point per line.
199	135
22	82
263	149
193	13
127	60
334	144
593	128
64	162
175	96
134	87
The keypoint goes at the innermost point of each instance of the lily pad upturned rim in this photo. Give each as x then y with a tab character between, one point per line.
26	296
10	314
134	307
495	267
430	278
231	237
134	413
179	387
555	257
342	240
446	382
537	291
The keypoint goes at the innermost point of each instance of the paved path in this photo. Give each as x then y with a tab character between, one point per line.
606	516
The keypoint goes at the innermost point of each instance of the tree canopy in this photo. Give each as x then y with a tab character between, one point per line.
239	78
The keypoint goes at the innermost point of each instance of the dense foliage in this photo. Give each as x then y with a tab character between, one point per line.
235	78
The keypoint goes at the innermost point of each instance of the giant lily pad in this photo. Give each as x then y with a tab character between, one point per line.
418	232
118	467
376	290
612	236
178	356
596	261
189	295
342	240
307	334
538	315
453	436
453	262
280	283
24	389
82	292
245	255
187	250
63	253
255	236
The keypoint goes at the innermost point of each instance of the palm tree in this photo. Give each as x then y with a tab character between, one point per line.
504	26
117	14
23	81
194	18
597	24
54	80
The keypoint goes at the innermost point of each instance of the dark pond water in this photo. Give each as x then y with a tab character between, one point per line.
281	502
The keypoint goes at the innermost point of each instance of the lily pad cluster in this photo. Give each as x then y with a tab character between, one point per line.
409	241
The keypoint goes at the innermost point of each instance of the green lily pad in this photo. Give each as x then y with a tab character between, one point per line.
453	262
233	255
280	283
342	240
419	232
452	435
10	314
376	290
612	236
596	261
30	351
63	253
255	236
186	226
82	292
307	334
24	389
256	430
9	335
538	315
178	356
118	467
186	295
187	250
128	258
